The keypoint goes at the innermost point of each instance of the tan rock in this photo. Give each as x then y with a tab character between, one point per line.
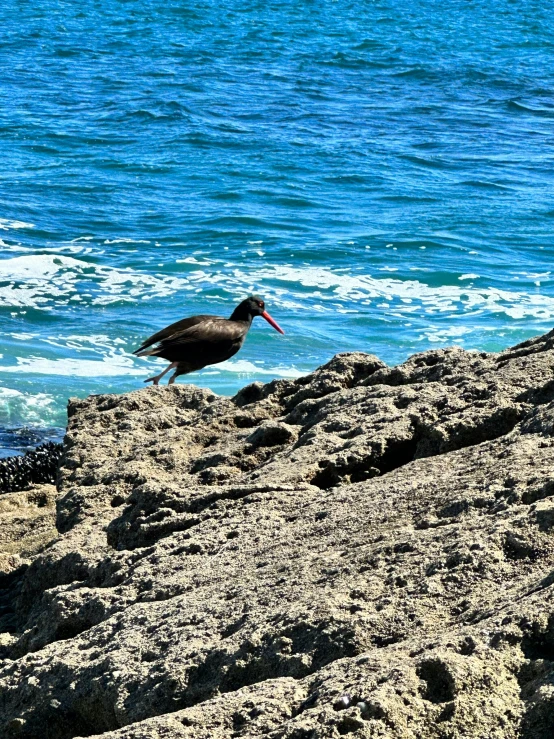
366	551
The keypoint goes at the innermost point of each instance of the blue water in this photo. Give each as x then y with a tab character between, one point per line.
381	173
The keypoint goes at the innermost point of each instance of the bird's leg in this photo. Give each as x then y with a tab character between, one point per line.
182	369
156	379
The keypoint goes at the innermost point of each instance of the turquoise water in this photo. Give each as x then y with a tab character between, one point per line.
381	173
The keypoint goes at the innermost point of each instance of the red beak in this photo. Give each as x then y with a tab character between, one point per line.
270	320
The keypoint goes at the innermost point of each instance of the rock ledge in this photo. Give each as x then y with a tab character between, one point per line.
366	551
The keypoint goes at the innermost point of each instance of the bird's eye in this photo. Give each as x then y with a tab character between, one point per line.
261	303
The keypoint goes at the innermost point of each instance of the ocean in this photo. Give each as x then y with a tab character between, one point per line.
381	173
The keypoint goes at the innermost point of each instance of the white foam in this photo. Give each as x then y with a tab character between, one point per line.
6	224
38	266
445	298
127	241
47	278
109	366
8	392
118	365
244	366
97	339
193	260
17	408
444	335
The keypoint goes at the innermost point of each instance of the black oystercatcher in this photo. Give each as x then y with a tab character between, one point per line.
193	343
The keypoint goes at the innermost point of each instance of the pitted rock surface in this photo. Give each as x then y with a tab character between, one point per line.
365	551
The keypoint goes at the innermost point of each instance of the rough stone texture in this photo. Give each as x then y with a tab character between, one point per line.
366	552
27	526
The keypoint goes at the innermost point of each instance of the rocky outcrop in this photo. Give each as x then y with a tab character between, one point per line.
27	526
365	551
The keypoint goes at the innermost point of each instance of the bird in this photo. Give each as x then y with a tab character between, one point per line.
193	343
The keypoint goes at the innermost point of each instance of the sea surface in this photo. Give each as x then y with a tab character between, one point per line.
380	172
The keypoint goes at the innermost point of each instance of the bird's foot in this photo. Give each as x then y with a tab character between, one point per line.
153	380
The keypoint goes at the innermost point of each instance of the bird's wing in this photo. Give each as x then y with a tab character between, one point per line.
211	331
174	328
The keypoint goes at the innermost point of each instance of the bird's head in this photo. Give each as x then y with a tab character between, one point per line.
255	306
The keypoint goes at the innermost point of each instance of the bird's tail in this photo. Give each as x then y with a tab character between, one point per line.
146	352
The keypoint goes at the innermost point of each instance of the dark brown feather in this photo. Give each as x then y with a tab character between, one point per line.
168	331
209	342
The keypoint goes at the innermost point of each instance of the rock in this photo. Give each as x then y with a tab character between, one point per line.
365	551
27	525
